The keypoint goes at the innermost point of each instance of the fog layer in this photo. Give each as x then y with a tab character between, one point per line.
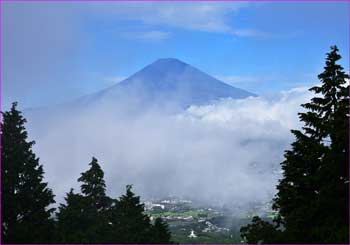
226	152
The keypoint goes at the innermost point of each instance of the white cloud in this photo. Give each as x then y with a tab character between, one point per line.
251	33
258	82
242	79
228	151
198	16
148	35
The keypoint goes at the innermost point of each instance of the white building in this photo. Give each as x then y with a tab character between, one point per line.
192	235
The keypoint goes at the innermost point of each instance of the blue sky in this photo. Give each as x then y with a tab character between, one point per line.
54	52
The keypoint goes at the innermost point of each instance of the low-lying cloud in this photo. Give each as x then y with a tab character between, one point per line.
223	153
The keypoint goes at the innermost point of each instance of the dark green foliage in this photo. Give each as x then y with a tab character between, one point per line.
260	231
93	217
84	219
128	220
297	191
313	195
26	199
160	232
129	223
72	222
94	187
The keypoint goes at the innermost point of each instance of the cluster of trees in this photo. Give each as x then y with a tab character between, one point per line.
312	201
91	216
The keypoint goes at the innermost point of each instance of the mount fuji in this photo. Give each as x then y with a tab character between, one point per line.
166	81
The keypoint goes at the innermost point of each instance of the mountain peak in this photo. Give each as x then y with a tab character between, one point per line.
169	60
167	64
172	80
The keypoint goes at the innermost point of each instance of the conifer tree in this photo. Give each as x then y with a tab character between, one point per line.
94	187
26	199
260	231
313	195
72	221
160	232
98	203
332	127
84	219
129	222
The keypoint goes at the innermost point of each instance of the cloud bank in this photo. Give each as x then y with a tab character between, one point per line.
224	153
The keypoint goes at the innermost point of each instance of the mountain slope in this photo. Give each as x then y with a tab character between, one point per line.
169	81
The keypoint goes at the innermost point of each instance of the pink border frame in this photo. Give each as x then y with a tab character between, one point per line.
296	1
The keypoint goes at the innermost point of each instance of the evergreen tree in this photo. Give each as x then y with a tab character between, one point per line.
313	195
128	221
26	199
98	203
160	232
333	127
260	232
298	191
94	188
72	220
84	219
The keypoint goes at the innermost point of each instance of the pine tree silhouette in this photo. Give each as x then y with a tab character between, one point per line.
26	199
313	195
160	232
130	223
84	219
